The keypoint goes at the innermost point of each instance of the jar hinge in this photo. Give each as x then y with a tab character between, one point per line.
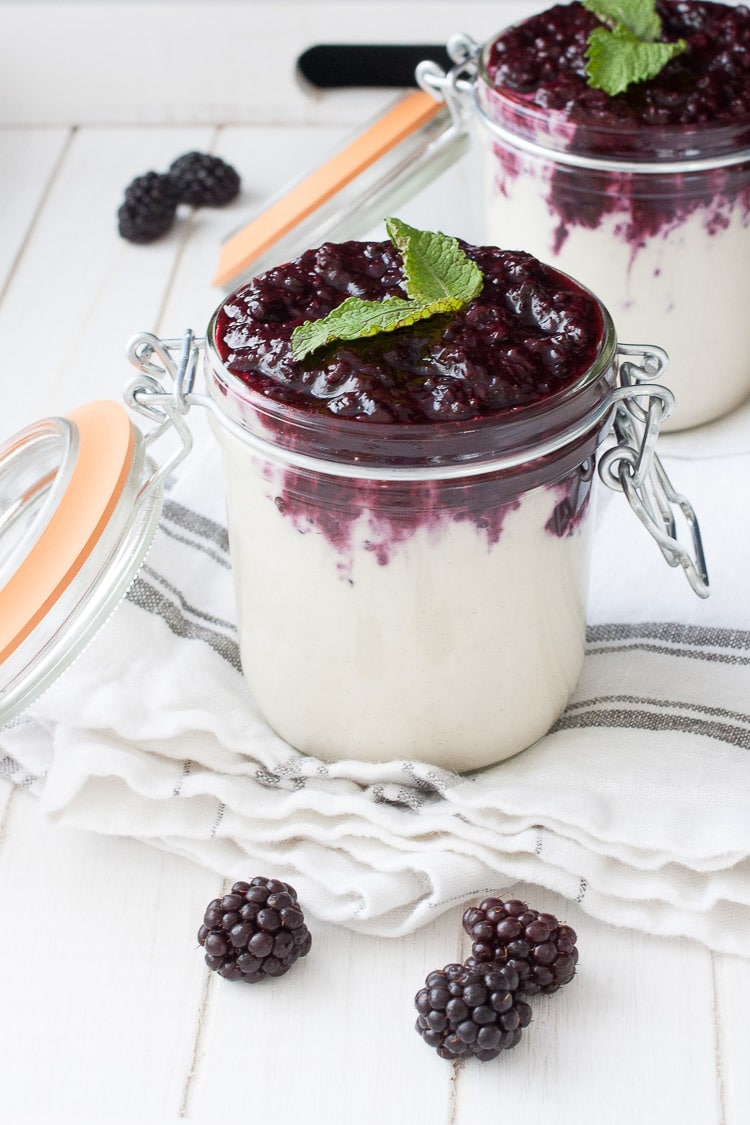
633	467
165	407
454	87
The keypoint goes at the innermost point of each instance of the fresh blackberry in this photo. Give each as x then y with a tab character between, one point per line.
471	1011
149	208
537	946
203	180
258	930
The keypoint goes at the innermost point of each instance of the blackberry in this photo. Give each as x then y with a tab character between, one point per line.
537	946
149	208
203	180
475	1011
258	930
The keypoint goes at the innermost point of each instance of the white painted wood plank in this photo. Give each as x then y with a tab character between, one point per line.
332	1041
27	161
100	974
630	1039
732	982
227	62
80	291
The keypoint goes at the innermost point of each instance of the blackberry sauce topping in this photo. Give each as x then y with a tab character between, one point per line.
543	58
530	333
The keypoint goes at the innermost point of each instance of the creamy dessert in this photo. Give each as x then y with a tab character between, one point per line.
408	512
644	195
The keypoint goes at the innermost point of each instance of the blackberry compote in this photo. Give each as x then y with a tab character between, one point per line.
644	195
529	334
410	564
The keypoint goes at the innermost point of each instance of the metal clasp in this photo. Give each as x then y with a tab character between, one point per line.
456	85
633	467
165	406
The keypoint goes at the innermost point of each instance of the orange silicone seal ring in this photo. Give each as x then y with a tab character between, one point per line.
103	461
403	119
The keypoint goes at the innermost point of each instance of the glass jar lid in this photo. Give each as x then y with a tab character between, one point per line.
376	170
78	511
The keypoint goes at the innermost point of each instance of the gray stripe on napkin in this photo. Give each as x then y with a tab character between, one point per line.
181	618
695	641
11	770
219	559
201	526
182	525
603	714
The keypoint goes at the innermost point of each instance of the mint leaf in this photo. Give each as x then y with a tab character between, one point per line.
640	16
616	59
438	278
627	50
355	319
435	266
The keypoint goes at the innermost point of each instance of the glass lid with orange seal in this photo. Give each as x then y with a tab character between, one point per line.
80	500
77	515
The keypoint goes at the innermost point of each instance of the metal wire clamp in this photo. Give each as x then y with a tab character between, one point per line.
633	467
167	408
455	86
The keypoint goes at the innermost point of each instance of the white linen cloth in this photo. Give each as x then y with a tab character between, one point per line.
637	804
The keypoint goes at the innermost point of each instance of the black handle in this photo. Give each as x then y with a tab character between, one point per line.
330	66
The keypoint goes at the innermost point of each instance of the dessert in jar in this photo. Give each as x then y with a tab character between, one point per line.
644	194
410	544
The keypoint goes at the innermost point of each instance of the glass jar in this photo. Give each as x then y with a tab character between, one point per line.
402	590
654	219
413	590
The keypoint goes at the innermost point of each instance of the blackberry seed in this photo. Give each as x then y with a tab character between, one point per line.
476	1012
537	946
203	180
148	209
256	931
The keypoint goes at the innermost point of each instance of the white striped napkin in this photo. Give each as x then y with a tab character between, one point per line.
636	804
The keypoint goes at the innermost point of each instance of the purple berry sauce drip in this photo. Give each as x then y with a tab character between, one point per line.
530	334
697	107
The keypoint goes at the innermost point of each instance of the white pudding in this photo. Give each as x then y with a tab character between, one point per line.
440	646
684	287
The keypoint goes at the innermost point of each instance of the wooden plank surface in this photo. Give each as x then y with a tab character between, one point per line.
107	1012
230	61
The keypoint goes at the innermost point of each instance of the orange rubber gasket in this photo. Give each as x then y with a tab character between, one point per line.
103	463
280	217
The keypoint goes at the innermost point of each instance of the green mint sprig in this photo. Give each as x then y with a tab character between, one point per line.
438	278
628	49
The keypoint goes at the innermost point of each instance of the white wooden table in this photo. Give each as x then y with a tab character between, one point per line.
107	1012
